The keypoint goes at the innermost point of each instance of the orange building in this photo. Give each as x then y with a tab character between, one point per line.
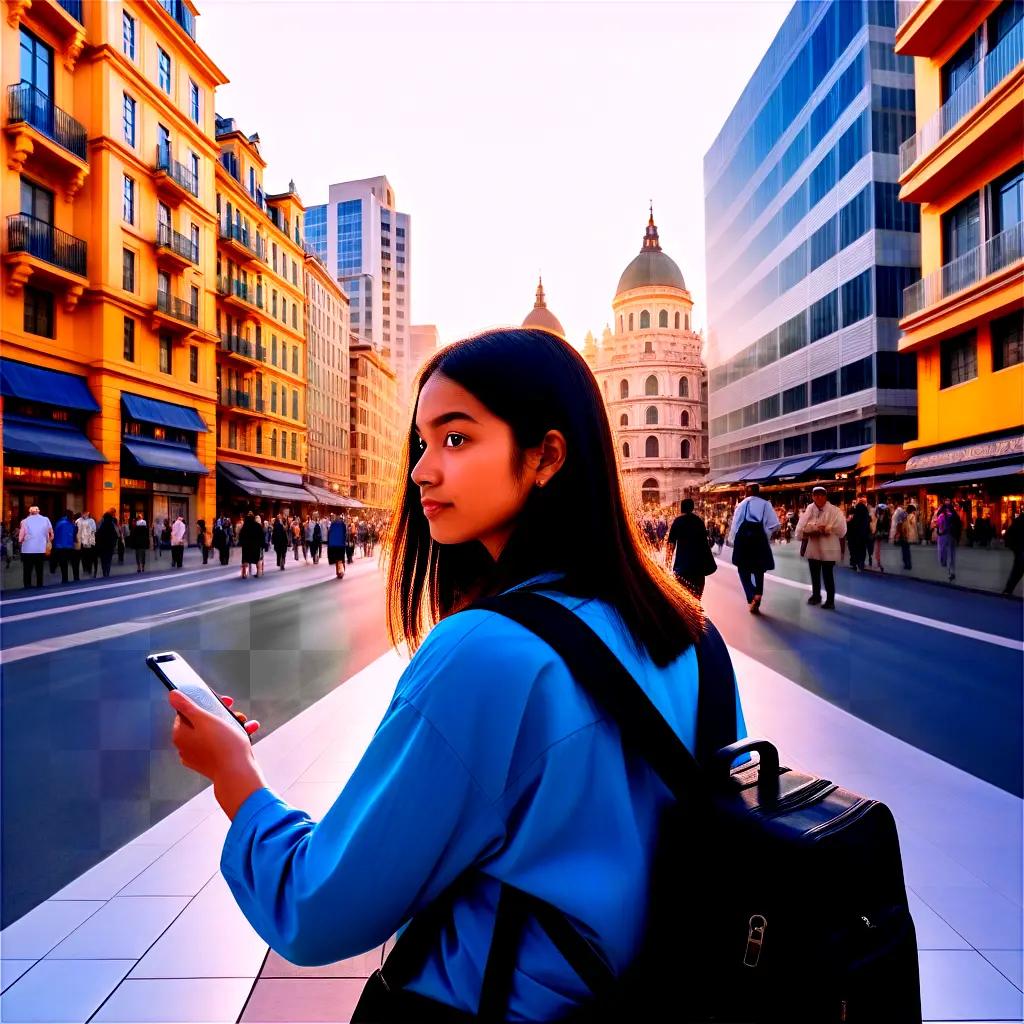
964	318
260	323
108	367
375	419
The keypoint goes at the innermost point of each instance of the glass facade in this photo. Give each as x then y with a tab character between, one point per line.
316	231
808	243
350	237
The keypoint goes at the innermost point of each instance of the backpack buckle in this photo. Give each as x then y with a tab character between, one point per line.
755	940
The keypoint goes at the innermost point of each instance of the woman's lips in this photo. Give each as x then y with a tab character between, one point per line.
433	508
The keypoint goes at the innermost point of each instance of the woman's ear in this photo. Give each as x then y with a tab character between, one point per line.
552	456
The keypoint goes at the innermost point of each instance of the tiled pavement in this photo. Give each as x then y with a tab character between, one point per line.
152	933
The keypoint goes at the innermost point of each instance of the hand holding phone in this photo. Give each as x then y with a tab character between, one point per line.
177	674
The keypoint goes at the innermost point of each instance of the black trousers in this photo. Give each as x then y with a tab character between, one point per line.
32	564
1016	572
177	554
206	554
106	557
67	557
821	569
314	550
88	561
140	558
225	555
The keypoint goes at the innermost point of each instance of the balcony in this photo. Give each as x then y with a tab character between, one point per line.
175	314
38	251
238	293
248	248
45	138
987	108
923	27
174	181
236	345
991	274
62	19
241	401
174	249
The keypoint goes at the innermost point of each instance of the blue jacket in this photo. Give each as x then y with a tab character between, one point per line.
336	534
489	752
64	533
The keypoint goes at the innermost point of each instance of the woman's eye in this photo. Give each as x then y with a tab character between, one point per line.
460	438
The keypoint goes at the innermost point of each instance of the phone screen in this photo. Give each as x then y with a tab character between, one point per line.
177	674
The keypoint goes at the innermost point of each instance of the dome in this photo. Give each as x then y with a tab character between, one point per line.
651	267
542	317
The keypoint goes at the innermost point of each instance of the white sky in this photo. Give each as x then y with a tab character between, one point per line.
520	137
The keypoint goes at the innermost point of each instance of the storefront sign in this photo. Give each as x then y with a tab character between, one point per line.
108	485
1001	449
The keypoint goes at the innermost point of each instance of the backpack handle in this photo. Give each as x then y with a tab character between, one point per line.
767	768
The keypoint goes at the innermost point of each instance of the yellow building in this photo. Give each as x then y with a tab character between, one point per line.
375	426
965	166
108	364
260	323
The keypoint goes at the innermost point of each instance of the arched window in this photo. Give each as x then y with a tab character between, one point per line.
624	420
651	417
651	385
623	389
677	321
684	388
684	449
645	320
663	318
651	447
649	492
631	321
684	419
625	449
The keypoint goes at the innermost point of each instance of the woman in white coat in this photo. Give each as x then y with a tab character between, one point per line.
820	531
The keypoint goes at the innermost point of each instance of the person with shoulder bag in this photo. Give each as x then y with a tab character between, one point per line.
754	523
688	539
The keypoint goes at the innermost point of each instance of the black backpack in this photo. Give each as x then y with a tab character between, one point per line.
750	548
777	896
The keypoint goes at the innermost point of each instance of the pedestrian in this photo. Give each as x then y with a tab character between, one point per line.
362	535
858	531
203	539
35	537
883	521
296	530
157	534
491	765
336	543
307	539
688	541
279	538
913	525
316	538
268	532
179	535
65	537
123	532
139	540
6	541
106	540
350	540
1014	541
86	537
898	533
220	539
250	539
371	537
821	532
948	528
754	523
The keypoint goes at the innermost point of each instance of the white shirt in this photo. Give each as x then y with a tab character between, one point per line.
34	533
178	531
757	510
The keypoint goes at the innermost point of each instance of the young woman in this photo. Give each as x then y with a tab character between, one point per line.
492	765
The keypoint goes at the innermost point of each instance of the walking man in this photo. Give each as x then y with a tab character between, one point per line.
688	540
279	538
34	536
822	527
178	536
106	540
86	527
65	536
337	541
139	540
754	523
899	532
948	527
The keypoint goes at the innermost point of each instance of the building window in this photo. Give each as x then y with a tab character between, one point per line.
684	419
857	376
677	321
823	440
684	449
795	445
128	270
273	350
128	203
961	229
193	364
651	385
38	312
645	320
623	389
1007	194
193	100
823	244
824	388
959	358
631	321
194	235
295	405
295	446
128	120
856	297
129	339
295	317
194	162
684	387
164	70
663	318
128	34
824	317
651	416
624	420
273	396
295	359
165	353
1007	336
794	399
651	448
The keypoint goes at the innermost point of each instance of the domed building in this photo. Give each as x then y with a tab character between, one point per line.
542	317
653	380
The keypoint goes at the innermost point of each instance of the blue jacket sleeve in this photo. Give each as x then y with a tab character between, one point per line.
408	822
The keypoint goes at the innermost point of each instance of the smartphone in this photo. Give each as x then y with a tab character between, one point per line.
177	674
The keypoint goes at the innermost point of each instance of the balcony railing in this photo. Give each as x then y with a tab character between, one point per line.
42	240
252	242
73	7
992	69
998	253
181	14
26	103
187	312
238	345
166	238
177	172
237	399
232	286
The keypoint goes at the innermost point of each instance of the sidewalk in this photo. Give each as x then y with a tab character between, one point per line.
152	933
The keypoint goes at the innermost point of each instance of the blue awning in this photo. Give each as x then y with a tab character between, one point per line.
58	442
163	414
964	476
797	467
843	460
161	455
765	471
247	480
49	387
278	476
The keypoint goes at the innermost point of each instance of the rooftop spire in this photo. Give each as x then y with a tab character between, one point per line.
651	234
540	303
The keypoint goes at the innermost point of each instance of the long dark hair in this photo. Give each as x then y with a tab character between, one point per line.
535	382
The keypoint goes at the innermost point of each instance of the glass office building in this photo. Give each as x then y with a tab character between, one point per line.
808	247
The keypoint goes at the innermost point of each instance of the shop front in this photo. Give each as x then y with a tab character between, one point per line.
326	500
267	492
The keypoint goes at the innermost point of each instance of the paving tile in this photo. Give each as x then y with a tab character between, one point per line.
55	991
35	934
361	966
124	928
963	985
108	877
211	939
287	1000
176	825
184	1001
924	863
12	970
1009	962
187	866
982	916
932	931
